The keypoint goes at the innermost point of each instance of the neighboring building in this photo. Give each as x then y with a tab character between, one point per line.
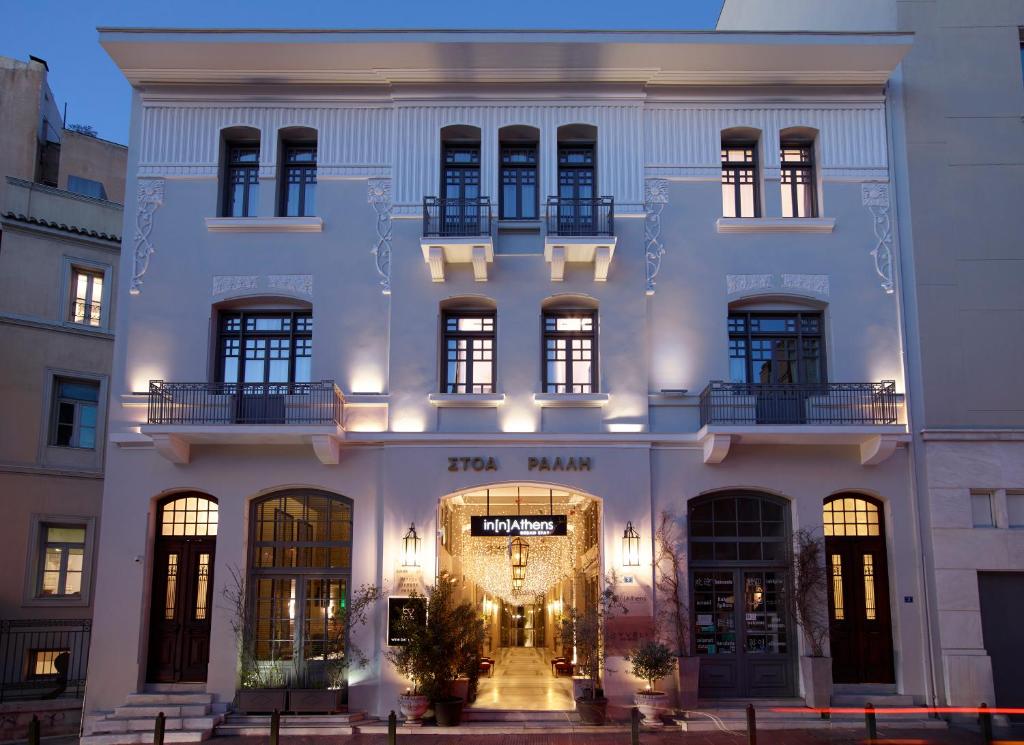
417	277
58	274
958	98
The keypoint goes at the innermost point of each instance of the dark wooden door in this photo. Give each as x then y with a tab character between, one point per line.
860	627
179	634
1002	607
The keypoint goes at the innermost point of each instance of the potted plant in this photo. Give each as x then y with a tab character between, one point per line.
673	613
651	662
809	608
322	686
585	630
262	676
439	646
409	658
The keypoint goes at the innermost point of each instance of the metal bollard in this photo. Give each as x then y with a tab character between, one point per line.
870	723
634	725
392	728
751	725
985	719
33	731
275	727
158	728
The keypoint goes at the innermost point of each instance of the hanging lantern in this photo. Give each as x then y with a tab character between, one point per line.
519	553
517	584
630	546
411	548
519	573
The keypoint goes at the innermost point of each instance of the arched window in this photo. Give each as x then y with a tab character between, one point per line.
300	568
240	180
518	157
741	194
570	345
297	172
469	336
850	516
798	174
188	515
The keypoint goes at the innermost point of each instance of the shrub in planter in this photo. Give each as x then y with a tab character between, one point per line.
673	614
809	607
261	681
651	662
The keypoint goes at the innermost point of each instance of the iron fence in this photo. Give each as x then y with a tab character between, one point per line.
456	217
43	658
803	403
244	403
569	217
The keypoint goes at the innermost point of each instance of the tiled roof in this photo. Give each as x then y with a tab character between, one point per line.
61	226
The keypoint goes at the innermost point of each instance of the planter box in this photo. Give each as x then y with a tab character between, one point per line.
315	700
817	675
686	680
262	700
580	686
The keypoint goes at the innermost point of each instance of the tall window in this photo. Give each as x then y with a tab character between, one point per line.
518	181
241	179
298	179
570	349
75	408
469	352
798	180
265	347
62	560
776	348
739	180
86	297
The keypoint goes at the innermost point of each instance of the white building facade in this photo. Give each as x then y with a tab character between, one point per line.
383	279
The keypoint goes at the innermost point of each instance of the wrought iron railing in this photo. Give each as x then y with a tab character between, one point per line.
456	217
245	403
803	403
43	658
569	217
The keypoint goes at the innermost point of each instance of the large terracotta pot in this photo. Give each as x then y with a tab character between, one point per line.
652	704
413	706
581	687
592	710
449	712
817	675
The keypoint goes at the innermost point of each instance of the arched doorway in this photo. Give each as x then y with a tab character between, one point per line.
738	565
182	592
299	580
860	627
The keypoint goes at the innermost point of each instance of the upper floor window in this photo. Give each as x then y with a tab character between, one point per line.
297	174
740	180
265	347
87	187
570	351
776	348
241	179
469	338
86	297
798	180
75	408
518	199
62	560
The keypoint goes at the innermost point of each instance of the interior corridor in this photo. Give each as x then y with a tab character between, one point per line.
523	681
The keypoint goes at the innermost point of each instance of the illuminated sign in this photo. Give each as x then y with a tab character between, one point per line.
512	525
404	608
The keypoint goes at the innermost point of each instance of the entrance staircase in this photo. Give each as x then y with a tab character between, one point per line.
189	711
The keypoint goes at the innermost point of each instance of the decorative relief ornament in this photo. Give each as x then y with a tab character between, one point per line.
298	284
816	283
748	282
149	197
655	199
876	198
379	195
223	284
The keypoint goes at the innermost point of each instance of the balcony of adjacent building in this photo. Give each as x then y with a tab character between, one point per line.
182	415
866	415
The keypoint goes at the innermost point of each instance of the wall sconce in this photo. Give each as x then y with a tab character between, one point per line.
630	547
411	548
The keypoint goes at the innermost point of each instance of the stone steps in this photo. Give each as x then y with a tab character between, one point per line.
187	710
859	700
118	726
242	725
509	715
175	688
141	738
162	699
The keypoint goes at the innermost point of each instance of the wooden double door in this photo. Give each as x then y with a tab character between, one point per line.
180	609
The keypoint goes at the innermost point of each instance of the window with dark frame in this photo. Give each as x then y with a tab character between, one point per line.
61	560
739	180
265	347
518	181
776	348
86	297
42	663
298	179
75	410
241	179
798	181
469	346
570	351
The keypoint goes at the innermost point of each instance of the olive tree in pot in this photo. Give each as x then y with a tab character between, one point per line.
651	662
585	630
809	608
673	613
261	672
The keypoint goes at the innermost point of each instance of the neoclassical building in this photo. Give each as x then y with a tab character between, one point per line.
391	291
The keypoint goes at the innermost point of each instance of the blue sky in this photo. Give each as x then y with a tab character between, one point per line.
63	32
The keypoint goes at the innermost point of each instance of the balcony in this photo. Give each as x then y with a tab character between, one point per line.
580	231
457	231
183	414
863	414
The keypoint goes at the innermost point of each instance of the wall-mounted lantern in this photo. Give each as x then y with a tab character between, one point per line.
630	547
411	548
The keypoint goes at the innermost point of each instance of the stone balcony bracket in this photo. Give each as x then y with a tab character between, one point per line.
440	251
596	250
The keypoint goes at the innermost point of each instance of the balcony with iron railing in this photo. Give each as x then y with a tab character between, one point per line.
580	231
457	231
865	414
43	658
183	414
